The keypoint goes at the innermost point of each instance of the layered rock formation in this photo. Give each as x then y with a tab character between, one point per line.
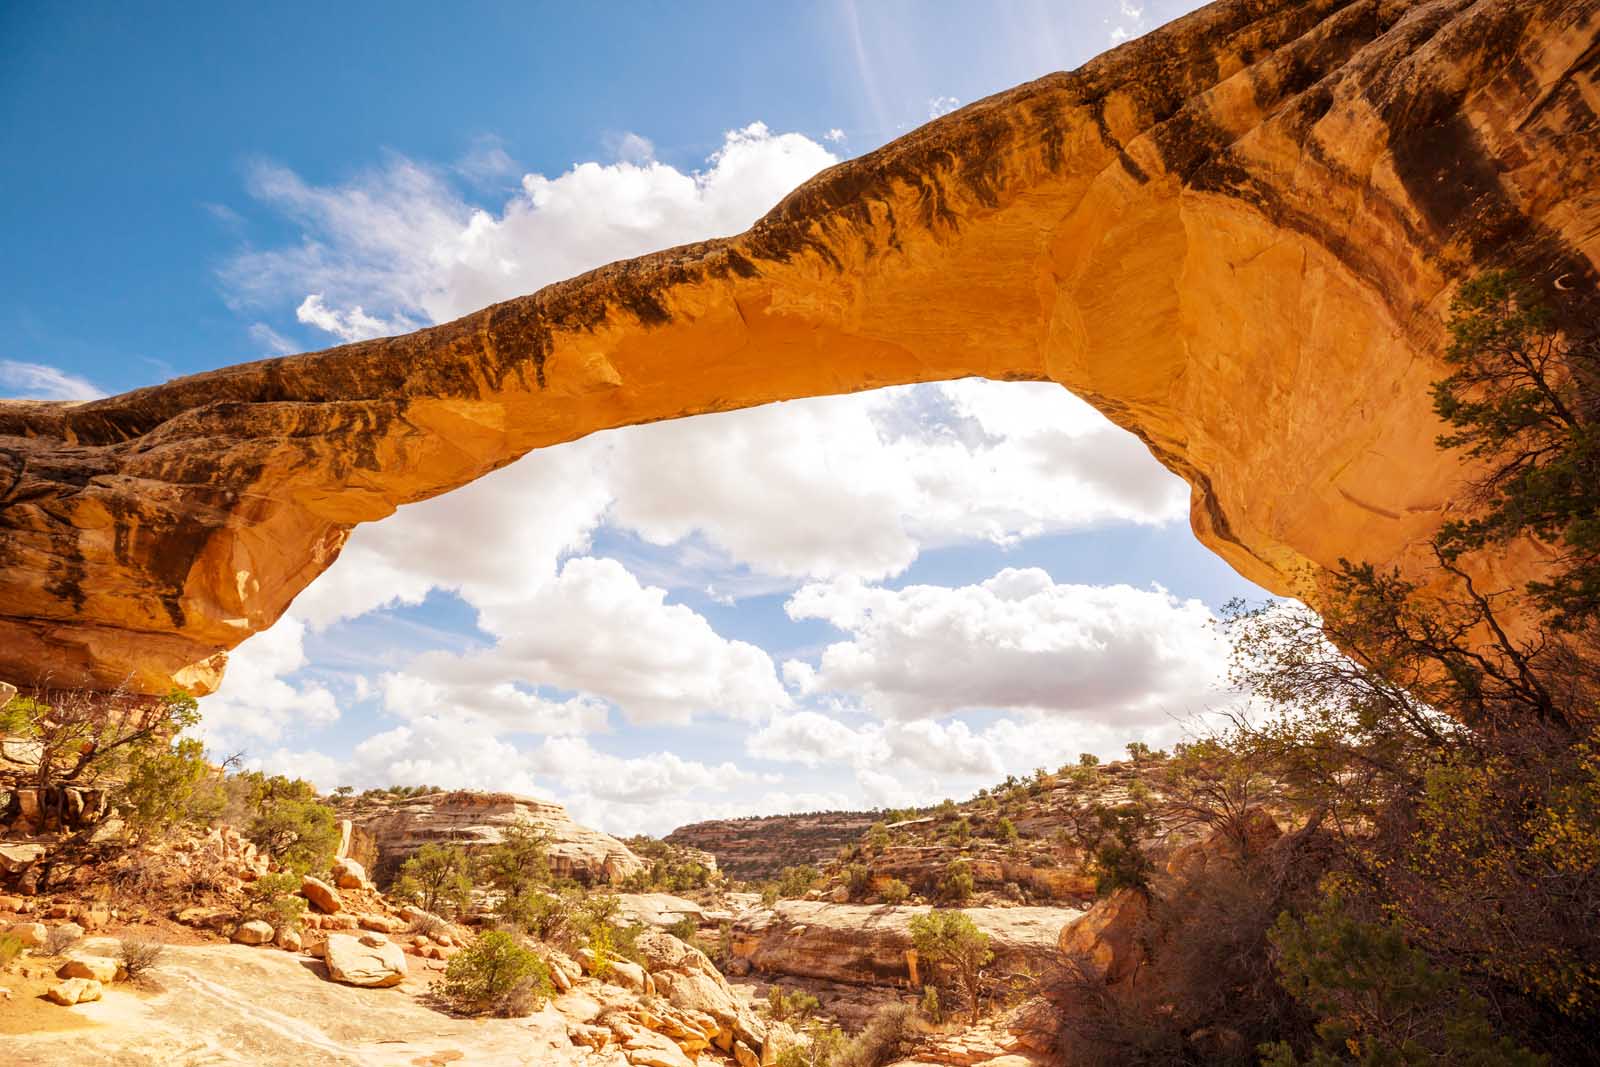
398	827
1235	236
759	848
869	945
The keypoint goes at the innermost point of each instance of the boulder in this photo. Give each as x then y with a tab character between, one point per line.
323	896
1104	941
16	857
371	960
348	874
254	932
74	991
101	968
288	939
7	691
31	935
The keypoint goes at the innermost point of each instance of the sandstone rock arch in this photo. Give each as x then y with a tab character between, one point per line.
1235	236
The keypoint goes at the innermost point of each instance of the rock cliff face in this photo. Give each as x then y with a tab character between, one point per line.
398	828
867	945
1235	236
760	848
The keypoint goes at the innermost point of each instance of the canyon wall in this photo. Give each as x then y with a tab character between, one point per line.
1236	237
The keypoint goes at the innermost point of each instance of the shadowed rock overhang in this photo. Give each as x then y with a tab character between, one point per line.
1236	237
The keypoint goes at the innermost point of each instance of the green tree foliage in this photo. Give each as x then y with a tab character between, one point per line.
1088	759
796	1004
517	862
275	899
950	941
957	883
169	785
858	880
84	735
894	891
496	974
1520	398
1005	831
797	881
287	821
878	836
436	878
1379	1001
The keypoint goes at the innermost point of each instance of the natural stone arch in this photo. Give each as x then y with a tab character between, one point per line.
1235	237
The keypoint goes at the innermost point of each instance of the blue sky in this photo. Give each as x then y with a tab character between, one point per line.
843	602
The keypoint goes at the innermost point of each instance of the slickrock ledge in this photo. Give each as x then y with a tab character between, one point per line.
1235	236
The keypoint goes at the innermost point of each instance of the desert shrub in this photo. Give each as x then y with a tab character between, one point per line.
957	884
1005	831
797	1005
1111	841
138	955
275	899
10	948
1088	759
429	925
286	821
878	836
950	941
1377	999
553	917
684	930
797	881
58	939
881	1041
435	878
929	1005
168	785
517	862
857	880
496	975
820	1047
769	894
894	891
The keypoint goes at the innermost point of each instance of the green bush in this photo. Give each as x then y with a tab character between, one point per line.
496	975
797	881
1378	1000
894	891
684	930
797	1005
436	878
517	862
167	786
951	940
957	885
286	820
274	899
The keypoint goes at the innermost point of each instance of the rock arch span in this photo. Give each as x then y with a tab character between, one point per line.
1235	236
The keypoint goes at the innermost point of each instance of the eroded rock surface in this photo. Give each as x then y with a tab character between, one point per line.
868	944
398	828
1236	236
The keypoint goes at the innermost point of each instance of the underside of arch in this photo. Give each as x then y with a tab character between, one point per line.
1236	237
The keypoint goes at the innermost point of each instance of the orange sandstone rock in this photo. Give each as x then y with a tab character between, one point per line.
1236	236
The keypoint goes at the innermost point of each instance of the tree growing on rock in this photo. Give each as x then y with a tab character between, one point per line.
83	734
517	862
436	878
286	820
951	941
